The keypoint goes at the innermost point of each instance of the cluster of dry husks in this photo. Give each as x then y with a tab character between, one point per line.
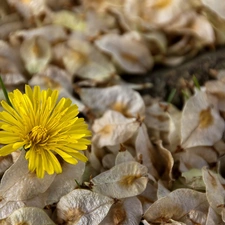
148	161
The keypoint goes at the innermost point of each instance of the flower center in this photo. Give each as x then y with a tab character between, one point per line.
38	135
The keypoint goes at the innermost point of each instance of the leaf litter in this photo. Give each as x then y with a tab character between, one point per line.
149	162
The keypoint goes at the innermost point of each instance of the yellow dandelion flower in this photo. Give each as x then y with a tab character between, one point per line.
44	127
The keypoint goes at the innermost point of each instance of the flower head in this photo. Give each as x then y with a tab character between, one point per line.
44	127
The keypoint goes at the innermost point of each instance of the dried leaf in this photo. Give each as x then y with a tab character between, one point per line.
122	181
145	149
176	206
118	98
36	54
201	124
83	207
65	182
128	51
29	215
124	156
113	128
19	186
213	218
215	192
127	212
5	163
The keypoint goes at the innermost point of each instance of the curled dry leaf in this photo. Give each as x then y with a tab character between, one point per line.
149	195
188	160
113	128
108	161
10	72
213	218
163	162
124	156
5	163
119	98
196	157
51	33
69	19
19	186
157	13
215	192
201	123
29	215
99	22
36	54
129	51
145	149
65	182
218	8
176	206
123	180
83	207
7	27
162	190
7	51
127	212
156	117
217	88
30	8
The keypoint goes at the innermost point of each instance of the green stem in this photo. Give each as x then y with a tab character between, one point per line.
197	85
171	95
5	92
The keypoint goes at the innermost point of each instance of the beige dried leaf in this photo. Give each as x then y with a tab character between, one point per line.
121	181
95	156
108	161
213	218
10	27
9	52
176	206
156	117
36	54
188	160
145	149
113	128
162	191
119	98
215	192
163	162
29	215
29	8
51	33
149	195
124	156
129	51
158	13
83	207
127	212
10	73
201	123
19	186
65	182
218	8
217	89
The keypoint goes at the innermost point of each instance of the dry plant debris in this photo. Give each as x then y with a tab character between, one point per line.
149	162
